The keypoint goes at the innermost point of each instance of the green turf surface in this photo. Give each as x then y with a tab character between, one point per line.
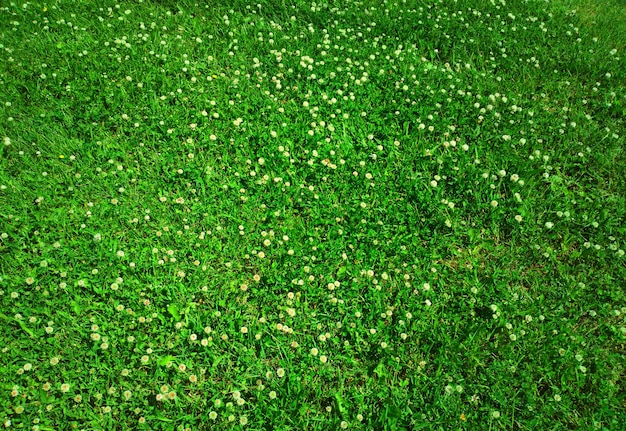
378	215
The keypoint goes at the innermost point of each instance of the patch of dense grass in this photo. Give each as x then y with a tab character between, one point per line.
362	215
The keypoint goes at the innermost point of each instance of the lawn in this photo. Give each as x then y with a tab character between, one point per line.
375	215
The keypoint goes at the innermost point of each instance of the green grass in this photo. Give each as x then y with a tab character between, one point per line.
310	216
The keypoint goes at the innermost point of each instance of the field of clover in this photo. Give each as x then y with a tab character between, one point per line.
294	215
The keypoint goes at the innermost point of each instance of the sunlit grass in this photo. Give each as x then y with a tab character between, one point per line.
362	215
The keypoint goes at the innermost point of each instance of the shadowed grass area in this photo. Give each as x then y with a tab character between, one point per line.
606	19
